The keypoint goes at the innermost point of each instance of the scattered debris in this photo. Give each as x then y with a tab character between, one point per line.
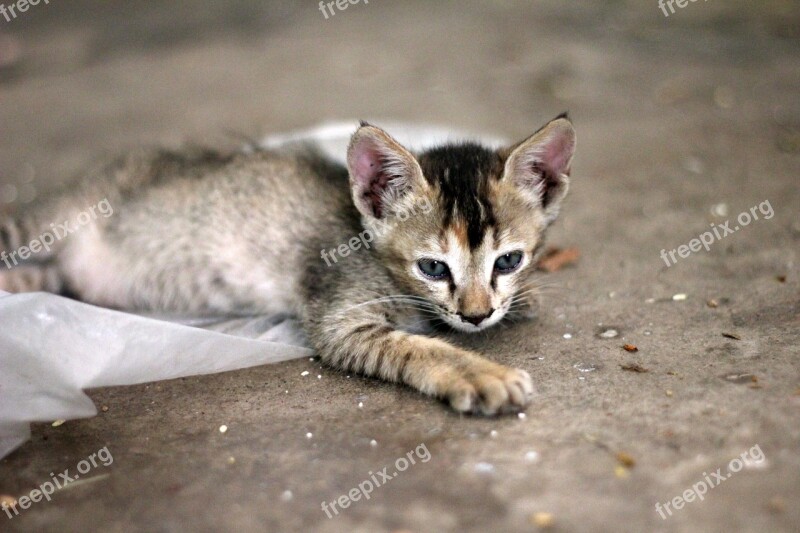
79	482
223	429
57	423
731	336
7	501
630	348
679	297
634	367
668	392
104	408
626	459
587	367
555	259
719	210
609	333
741	378
484	468
543	520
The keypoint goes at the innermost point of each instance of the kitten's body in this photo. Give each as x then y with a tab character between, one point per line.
206	233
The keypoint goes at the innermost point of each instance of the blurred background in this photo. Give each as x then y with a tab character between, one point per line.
682	120
84	78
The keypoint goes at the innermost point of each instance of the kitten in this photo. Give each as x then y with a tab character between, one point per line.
368	256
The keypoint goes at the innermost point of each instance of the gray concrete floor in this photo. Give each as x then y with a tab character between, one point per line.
675	116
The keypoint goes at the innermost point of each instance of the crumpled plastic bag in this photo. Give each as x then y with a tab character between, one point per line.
51	348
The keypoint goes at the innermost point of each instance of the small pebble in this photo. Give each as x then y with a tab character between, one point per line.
305	373
58	423
309	435
223	428
373	443
543	520
720	210
679	297
484	468
360	405
7	500
609	334
668	392
621	472
104	408
713	304
231	460
521	416
493	434
567	335
287	496
532	456
319	376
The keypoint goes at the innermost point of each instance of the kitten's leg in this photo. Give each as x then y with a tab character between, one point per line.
469	382
31	278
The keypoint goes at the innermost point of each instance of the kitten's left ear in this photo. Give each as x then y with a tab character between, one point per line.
540	165
381	171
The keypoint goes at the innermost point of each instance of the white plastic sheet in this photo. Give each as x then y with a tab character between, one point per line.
52	348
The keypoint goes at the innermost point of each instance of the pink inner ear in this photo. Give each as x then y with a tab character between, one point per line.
370	177
367	165
557	152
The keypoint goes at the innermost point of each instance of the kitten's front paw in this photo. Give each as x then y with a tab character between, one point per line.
491	389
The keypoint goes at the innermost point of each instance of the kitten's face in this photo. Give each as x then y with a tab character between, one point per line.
461	225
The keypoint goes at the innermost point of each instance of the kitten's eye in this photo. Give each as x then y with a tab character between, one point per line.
433	269
507	263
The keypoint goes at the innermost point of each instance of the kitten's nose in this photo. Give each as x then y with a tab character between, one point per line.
475	319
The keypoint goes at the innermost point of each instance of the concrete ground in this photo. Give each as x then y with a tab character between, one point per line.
683	121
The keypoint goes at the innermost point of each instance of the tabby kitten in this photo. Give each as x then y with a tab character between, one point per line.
447	236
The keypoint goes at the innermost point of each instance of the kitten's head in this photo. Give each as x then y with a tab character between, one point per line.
461	225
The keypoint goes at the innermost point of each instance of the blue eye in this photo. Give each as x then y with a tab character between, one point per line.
434	269
509	262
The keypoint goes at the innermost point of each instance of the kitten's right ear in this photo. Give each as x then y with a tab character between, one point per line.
381	170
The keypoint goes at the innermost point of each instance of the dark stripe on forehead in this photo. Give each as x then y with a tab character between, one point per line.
462	173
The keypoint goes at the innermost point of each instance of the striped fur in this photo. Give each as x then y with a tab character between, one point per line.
202	232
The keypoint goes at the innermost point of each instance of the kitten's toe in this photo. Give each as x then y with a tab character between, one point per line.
502	390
